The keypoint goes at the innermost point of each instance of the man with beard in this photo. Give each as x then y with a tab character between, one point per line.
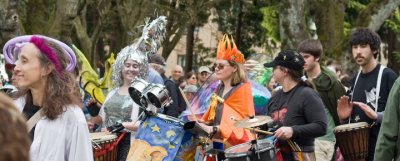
369	89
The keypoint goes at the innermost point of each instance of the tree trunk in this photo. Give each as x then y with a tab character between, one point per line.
375	14
189	48
239	24
393	47
85	42
175	28
38	16
131	14
292	23
62	25
329	18
9	19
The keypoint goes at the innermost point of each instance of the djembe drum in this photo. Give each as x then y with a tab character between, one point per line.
353	140
104	146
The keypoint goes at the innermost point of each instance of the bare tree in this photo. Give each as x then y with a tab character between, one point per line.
87	43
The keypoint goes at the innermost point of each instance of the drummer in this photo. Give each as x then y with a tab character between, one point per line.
297	110
368	105
232	99
119	111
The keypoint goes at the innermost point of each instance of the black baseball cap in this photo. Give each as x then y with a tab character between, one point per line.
289	59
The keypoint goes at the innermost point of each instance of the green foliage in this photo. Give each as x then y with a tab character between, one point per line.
271	24
203	54
252	31
396	56
354	7
394	22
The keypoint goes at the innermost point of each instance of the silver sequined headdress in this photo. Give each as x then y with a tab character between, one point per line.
152	37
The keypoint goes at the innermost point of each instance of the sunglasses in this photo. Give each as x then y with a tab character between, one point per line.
220	66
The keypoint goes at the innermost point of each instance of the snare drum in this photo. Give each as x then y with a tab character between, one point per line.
265	149
353	140
104	146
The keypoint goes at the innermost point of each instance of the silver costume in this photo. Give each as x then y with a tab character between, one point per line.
148	43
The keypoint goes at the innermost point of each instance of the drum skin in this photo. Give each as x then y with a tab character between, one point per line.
353	140
107	142
266	150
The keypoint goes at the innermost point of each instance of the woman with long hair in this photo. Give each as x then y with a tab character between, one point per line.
232	99
43	71
297	110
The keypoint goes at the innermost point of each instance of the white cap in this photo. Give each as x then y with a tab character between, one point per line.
204	69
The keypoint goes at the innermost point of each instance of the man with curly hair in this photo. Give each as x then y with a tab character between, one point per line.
369	89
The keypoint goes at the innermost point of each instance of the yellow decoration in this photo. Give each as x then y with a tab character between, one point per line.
170	133
90	79
145	124
213	105
170	146
155	128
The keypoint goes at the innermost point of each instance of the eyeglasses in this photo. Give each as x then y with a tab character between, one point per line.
204	73
220	66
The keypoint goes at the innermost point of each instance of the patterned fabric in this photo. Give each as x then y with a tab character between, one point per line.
162	138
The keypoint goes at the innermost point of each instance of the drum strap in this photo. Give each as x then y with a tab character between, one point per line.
34	119
378	86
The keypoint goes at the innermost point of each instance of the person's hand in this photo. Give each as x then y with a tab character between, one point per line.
105	130
344	108
207	128
93	107
90	125
115	128
283	133
367	110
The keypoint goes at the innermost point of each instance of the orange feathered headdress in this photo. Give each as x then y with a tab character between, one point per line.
225	51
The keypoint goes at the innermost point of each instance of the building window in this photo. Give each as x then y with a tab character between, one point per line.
182	60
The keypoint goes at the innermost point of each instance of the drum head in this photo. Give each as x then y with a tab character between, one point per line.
102	137
351	126
242	149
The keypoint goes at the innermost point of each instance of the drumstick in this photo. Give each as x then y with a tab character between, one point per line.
261	131
292	144
187	104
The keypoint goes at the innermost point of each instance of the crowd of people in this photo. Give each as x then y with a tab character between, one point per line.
309	99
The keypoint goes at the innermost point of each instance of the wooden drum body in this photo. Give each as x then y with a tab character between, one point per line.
104	146
353	140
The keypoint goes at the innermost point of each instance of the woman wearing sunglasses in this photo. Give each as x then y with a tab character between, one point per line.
232	99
